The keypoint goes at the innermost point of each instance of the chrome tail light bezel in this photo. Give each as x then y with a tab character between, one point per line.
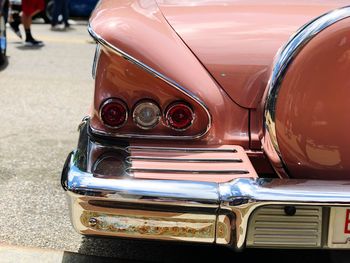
167	115
114	100
150	103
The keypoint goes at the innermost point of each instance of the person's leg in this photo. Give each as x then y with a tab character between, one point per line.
57	7
27	21
10	12
29	9
14	19
65	12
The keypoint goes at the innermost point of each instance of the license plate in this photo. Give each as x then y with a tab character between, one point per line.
339	228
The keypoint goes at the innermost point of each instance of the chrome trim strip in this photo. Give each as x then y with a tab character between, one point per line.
175	149
158	116
242	190
181	160
139	190
96	60
286	190
184	171
285	57
110	100
172	105
145	136
156	74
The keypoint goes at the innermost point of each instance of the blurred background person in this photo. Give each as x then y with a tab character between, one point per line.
29	9
14	16
61	7
3	41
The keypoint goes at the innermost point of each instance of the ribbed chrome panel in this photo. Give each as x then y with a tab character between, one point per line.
221	163
270	226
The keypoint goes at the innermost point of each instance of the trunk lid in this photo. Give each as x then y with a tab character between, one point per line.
236	40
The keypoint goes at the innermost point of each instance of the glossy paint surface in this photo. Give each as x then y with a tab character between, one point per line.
237	40
139	29
312	112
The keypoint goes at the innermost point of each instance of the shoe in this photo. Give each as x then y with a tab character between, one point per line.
33	43
57	28
71	22
67	27
15	28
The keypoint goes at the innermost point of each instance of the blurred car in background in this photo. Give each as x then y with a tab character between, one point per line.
3	41
77	8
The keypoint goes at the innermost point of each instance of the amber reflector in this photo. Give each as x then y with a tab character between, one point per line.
179	116
114	113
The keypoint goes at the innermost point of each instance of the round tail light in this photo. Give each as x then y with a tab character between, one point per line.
146	115
179	116
114	113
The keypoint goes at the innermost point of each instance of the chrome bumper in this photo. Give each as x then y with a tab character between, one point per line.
192	211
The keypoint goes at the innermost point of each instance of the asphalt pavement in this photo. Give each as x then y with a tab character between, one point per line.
45	92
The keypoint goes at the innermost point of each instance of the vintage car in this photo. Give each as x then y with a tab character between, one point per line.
217	121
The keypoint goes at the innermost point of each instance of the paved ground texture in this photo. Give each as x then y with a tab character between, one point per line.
44	94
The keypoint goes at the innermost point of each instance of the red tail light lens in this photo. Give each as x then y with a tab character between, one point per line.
114	113
179	116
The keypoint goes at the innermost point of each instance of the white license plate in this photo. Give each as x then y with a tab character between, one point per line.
339	228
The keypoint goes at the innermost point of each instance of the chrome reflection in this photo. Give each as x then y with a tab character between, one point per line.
96	60
284	58
227	205
183	160
180	149
111	164
239	197
184	171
